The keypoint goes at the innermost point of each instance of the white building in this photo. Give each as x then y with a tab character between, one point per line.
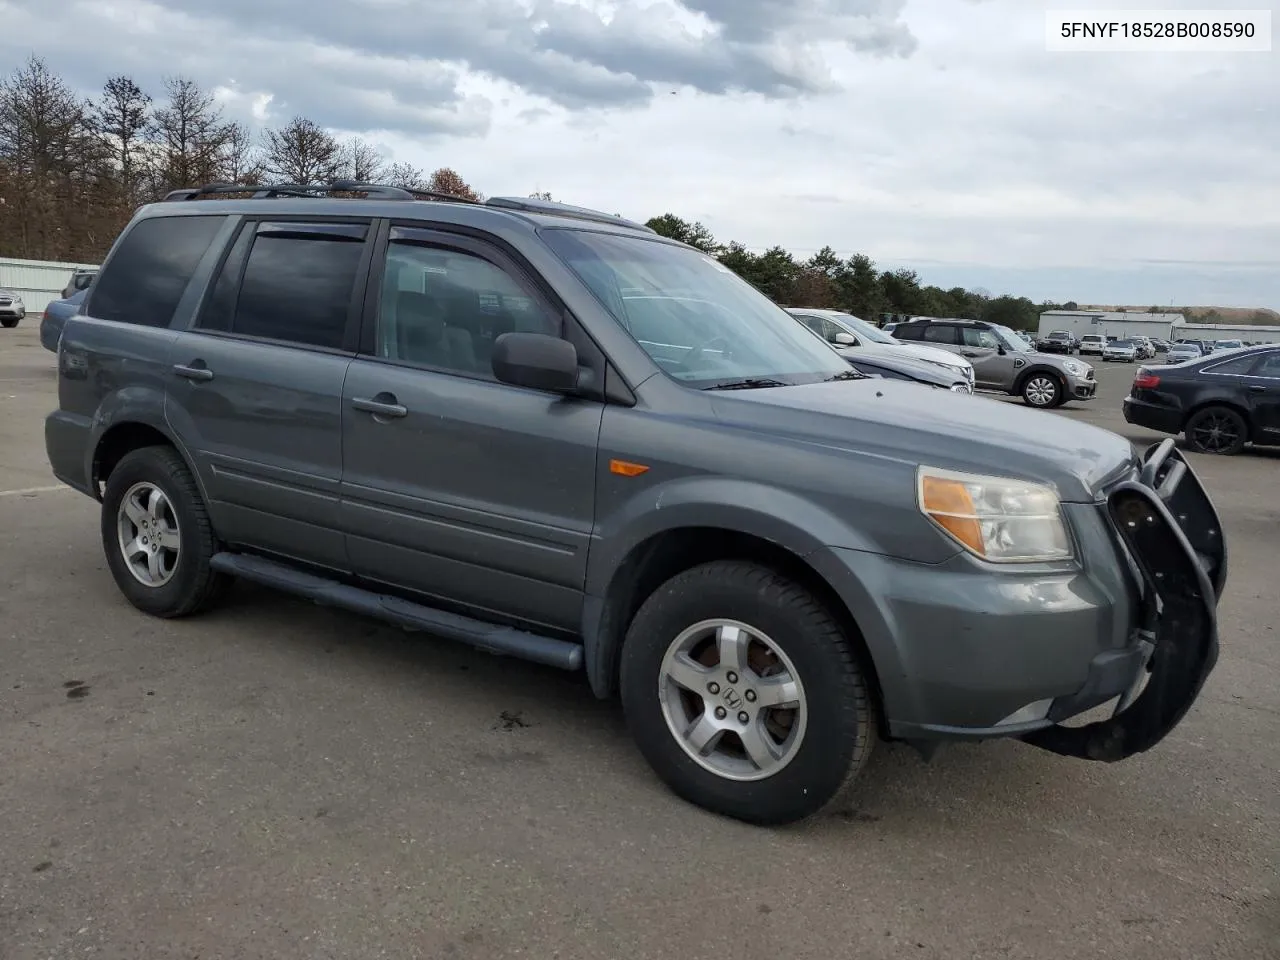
36	281
1249	332
1114	323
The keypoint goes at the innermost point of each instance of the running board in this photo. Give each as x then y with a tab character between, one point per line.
490	637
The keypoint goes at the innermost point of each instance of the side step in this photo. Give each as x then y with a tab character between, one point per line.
492	638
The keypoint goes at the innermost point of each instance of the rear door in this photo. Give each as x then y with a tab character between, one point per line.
456	486
255	386
1264	392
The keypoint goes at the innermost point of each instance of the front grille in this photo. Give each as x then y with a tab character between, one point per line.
5	301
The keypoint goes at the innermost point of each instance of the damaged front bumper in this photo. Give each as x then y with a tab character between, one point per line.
1174	537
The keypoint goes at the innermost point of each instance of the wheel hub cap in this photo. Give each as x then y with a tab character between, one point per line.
148	535
732	700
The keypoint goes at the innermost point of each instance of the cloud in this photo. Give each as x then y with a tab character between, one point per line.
911	130
399	60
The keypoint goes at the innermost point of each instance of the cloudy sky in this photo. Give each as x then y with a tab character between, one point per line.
937	134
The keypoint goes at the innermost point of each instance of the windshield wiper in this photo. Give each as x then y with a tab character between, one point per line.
747	383
847	375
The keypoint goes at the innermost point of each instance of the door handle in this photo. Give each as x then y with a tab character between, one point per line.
200	373
386	407
1256	388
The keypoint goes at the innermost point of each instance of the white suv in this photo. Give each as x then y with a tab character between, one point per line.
1092	343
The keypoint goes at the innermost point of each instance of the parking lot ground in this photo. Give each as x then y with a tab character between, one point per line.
277	780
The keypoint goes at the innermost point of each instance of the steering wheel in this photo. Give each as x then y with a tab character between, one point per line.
697	351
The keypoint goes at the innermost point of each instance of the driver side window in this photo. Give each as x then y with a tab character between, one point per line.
983	339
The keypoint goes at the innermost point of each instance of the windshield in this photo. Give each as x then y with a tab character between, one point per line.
860	327
700	322
1122	343
1229	344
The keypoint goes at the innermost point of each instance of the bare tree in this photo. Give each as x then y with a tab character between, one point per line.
448	180
189	135
51	162
406	175
122	116
301	152
362	161
241	160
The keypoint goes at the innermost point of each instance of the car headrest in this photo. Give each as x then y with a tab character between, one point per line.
419	313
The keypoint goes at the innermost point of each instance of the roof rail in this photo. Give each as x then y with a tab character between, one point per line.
383	191
557	209
373	191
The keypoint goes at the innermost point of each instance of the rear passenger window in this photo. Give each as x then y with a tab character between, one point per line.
1237	366
150	270
444	308
288	281
1270	366
938	333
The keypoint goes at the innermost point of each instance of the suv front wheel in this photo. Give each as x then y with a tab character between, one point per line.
744	694
1043	390
157	536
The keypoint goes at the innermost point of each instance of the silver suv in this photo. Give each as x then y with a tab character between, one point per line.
12	309
1002	361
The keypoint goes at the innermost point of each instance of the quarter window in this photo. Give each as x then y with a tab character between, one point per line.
149	271
1236	366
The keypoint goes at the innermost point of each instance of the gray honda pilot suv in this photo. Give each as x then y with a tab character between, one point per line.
553	434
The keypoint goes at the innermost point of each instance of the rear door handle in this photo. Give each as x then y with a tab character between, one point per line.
384	407
201	372
1256	388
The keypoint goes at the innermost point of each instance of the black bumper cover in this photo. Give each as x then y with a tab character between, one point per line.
1172	531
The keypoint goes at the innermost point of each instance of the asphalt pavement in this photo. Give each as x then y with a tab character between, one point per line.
277	780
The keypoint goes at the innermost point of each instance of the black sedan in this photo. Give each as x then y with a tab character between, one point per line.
1221	402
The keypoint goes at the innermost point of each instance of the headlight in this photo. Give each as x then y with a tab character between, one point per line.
1074	368
995	518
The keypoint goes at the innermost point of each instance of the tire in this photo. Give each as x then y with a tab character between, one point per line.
1216	429
836	724
1041	390
9	322
183	581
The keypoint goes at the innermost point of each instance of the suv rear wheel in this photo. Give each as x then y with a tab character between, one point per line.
744	695
157	536
1043	390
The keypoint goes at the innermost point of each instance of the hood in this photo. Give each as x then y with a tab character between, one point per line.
911	350
963	432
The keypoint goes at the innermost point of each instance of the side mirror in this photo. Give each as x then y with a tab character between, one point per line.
537	361
845	339
1001	350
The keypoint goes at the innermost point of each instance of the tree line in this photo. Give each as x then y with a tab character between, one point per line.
73	170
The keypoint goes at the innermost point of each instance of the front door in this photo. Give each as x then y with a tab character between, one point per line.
454	485
994	366
255	386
